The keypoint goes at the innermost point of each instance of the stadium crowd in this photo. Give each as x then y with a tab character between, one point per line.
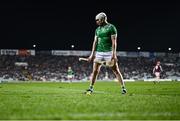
51	67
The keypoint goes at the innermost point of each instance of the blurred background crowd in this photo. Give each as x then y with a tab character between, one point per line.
54	68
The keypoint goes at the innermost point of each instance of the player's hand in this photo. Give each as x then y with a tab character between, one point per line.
114	58
90	58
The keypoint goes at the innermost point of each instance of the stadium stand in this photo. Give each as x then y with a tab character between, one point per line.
47	67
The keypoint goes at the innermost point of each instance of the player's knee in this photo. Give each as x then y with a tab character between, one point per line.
95	71
116	71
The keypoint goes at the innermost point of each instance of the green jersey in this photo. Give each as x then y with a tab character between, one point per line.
103	34
70	72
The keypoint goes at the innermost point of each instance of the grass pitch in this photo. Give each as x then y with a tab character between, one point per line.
66	101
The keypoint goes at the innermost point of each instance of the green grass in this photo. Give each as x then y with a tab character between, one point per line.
44	101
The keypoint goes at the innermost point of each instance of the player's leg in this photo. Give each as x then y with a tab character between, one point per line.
119	76
95	72
71	79
157	77
67	78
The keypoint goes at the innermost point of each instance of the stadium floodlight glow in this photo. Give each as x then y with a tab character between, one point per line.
169	48
72	46
34	45
138	48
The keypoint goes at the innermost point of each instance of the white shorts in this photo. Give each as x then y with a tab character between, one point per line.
70	76
157	74
103	56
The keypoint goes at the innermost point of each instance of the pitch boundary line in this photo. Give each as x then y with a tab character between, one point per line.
121	114
78	90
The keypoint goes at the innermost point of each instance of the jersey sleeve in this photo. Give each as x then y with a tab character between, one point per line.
113	30
96	32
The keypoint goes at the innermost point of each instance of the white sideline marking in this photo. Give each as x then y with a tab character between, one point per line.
77	90
124	114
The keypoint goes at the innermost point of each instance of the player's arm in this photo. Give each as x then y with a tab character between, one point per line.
161	69
113	31
93	49
114	46
153	70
